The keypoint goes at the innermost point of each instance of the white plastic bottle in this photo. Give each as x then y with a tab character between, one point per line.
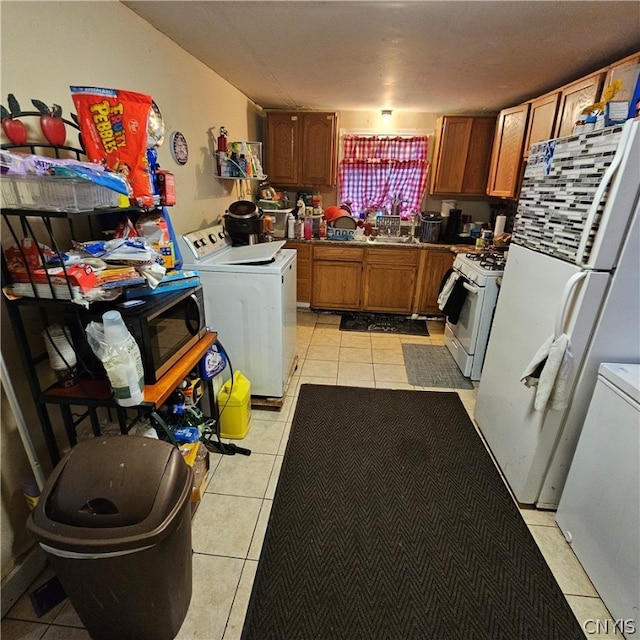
291	226
122	361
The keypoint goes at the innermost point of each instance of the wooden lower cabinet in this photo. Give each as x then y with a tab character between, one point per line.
303	288
433	267
390	279
337	277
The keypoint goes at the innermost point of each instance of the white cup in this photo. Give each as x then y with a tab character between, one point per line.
62	356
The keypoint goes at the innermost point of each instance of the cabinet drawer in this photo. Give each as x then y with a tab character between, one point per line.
400	257
344	254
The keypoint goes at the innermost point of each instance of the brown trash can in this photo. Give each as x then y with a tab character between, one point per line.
115	520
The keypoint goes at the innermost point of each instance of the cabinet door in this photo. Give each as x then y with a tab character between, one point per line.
453	135
574	98
337	277
389	280
303	284
506	158
542	120
461	155
476	171
318	151
621	65
283	142
336	285
433	267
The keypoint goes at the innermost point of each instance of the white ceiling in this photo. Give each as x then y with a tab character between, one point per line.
421	55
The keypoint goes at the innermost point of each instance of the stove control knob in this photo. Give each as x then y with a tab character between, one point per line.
212	237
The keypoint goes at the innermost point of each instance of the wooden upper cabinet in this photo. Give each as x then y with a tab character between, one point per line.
319	148
302	148
542	120
283	142
479	156
506	157
629	61
574	98
461	155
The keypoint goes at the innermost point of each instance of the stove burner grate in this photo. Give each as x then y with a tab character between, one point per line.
488	261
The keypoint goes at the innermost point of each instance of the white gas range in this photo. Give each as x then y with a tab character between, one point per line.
467	339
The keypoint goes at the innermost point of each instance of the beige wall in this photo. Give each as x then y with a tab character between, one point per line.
47	46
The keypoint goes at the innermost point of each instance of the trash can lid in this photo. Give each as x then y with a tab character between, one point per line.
112	491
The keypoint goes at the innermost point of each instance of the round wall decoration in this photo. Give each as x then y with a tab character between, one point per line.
179	148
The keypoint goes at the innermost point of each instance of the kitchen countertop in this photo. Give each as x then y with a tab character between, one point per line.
454	248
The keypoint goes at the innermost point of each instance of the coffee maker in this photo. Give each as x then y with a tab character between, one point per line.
453	225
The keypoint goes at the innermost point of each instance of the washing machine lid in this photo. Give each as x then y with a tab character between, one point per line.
262	253
625	377
213	245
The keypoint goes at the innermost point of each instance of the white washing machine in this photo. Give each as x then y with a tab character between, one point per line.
250	301
599	510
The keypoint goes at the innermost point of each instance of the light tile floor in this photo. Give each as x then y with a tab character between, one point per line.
230	523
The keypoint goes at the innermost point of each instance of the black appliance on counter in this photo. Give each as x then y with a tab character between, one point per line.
244	222
430	226
452	226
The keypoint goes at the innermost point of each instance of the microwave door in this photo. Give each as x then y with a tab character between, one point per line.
173	332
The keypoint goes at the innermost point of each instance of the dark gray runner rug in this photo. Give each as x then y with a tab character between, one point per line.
383	323
391	522
432	366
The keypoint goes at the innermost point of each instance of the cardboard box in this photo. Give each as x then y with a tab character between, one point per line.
195	454
200	475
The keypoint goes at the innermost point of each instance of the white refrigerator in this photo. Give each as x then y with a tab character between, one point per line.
573	271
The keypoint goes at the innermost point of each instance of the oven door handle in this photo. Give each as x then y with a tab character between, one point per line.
470	288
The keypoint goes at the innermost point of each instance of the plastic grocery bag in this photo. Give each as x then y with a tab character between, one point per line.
121	361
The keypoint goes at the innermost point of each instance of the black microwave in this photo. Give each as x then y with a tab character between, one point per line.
165	326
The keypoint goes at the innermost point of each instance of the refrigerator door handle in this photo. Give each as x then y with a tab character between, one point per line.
564	301
581	259
470	288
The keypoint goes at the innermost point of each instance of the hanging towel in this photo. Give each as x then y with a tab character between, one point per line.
455	301
549	371
446	286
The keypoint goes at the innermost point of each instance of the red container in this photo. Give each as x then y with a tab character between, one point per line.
166	187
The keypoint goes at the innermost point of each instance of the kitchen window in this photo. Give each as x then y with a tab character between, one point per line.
376	170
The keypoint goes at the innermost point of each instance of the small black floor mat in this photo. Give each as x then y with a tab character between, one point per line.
383	323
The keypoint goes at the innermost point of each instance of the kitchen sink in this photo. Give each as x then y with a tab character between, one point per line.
391	239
